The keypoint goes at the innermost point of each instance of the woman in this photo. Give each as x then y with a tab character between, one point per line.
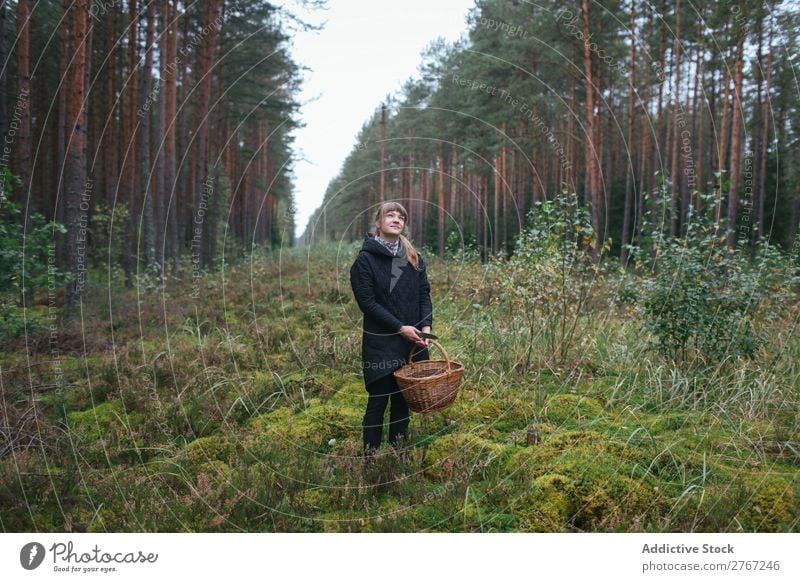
391	287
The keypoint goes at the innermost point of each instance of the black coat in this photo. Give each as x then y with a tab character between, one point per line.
391	293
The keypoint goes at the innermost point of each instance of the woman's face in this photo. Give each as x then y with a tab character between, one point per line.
392	223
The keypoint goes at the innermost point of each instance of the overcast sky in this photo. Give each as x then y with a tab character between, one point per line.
367	49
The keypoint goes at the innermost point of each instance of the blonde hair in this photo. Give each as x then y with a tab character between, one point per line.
411	253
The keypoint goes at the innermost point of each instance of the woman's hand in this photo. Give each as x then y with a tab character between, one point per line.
426	329
411	333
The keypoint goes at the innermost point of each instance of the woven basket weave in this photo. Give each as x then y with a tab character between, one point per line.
429	385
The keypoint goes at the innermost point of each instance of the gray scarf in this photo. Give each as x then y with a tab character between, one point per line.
393	247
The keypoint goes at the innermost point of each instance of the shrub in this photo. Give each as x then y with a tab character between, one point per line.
27	263
704	302
550	276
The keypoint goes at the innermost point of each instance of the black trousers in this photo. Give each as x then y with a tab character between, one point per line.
380	392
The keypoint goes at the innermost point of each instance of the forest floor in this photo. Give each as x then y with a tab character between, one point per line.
234	403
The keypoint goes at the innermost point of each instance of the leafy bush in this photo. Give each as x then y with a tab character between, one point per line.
704	302
551	273
27	262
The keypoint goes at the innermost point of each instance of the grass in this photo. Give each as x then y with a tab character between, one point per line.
241	411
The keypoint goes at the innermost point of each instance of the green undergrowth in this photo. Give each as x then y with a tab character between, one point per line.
244	414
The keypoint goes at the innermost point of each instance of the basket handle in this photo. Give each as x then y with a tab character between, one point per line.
438	345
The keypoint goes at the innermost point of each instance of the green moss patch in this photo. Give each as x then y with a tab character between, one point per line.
106	433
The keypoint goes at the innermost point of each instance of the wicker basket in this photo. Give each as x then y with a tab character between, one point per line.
429	385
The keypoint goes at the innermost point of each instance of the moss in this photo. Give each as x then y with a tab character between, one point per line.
500	522
675	458
611	457
569	408
568	439
529	462
218	471
490	409
105	521
265	422
79	394
188	419
605	496
208	449
601	388
335	420
774	505
311	427
341	384
519	410
339	521
431	516
351	394
458	455
547	506
668	422
525	464
505	412
601	494
108	430
317	499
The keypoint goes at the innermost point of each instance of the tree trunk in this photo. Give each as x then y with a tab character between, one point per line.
453	202
160	187
130	183
24	110
184	199
410	179
204	188
661	77
591	162
269	199
514	190
3	76
700	186
484	197
59	193
677	120
442	198
722	147
504	194
496	233
171	206
572	155
383	154
111	139
76	196
690	157
626	218
218	150
736	138
762	173
247	188
644	164
424	190
145	115
464	187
